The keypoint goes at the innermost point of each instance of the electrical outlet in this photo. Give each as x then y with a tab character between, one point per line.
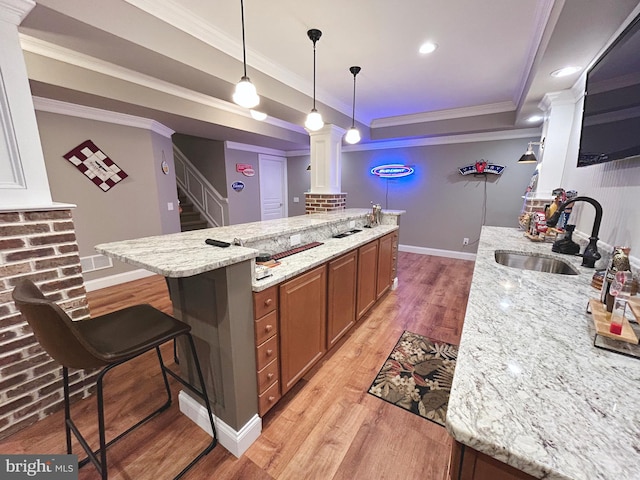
295	239
170	206
296	199
465	241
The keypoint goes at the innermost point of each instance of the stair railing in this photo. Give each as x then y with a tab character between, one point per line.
205	198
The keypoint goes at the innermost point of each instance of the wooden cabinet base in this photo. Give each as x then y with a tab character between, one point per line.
469	464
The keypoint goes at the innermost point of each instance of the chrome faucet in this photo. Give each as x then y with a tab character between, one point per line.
590	255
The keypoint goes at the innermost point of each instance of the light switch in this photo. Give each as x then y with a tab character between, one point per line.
296	199
170	206
295	239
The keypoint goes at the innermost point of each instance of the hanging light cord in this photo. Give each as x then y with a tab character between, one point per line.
353	112
244	51
314	74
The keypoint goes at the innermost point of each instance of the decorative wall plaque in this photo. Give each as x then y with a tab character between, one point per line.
96	165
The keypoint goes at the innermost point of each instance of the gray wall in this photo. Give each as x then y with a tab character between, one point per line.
135	207
207	156
442	206
244	206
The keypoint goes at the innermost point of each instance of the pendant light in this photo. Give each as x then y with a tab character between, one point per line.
245	94
314	119
353	135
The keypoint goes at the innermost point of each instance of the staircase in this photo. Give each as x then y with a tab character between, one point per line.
190	219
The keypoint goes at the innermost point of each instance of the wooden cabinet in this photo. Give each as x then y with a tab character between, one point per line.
385	259
367	277
341	296
303	323
469	464
265	309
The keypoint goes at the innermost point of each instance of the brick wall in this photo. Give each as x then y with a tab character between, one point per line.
323	202
42	247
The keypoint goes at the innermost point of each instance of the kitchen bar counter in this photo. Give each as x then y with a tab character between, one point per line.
530	389
185	254
212	289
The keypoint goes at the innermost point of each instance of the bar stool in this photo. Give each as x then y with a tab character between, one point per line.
106	342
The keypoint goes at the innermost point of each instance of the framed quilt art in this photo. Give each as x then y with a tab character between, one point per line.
96	165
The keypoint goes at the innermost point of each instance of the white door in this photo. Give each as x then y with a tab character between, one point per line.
273	187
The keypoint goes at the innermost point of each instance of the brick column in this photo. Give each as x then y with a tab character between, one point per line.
40	246
324	202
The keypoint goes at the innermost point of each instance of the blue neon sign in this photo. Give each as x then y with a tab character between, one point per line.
392	170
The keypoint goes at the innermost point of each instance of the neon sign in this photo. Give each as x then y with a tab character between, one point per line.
392	171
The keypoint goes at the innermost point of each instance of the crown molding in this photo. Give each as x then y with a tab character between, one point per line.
91	113
176	15
444	140
254	148
71	57
563	97
541	19
14	11
443	115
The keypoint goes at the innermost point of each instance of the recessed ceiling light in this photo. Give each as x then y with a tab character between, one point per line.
534	118
563	72
428	47
258	115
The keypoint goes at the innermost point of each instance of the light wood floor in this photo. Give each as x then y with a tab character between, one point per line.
327	427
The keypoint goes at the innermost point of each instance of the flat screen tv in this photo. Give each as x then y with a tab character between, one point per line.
611	116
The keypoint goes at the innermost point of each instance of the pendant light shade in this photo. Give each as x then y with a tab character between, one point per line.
245	94
529	156
314	119
353	135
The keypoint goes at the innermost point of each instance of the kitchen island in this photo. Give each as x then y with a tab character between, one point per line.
217	292
530	389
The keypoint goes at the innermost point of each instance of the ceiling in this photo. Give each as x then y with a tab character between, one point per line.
177	61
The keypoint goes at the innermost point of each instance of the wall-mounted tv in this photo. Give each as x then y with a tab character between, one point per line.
611	116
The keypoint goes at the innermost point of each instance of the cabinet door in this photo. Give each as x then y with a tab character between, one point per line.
384	265
303	336
367	270
341	296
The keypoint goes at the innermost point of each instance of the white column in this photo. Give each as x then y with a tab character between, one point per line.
326	159
559	108
23	177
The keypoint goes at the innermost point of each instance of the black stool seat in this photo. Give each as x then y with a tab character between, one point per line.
106	341
129	332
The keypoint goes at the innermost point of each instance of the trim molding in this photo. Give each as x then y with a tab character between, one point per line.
236	442
437	252
444	140
117	279
444	114
14	11
71	57
254	148
91	113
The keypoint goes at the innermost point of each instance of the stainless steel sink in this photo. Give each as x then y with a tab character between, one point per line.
537	262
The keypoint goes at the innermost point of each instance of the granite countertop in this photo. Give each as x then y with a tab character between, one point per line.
185	254
530	389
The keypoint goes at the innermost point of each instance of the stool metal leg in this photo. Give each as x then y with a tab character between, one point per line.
67	407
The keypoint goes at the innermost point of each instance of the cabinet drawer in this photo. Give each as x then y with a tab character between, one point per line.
265	301
267	352
266	327
267	376
269	398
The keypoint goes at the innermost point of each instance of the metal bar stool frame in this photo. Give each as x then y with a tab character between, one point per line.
27	294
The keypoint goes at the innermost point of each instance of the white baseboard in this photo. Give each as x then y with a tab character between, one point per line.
117	279
236	442
437	252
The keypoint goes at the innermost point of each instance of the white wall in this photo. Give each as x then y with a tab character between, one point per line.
616	185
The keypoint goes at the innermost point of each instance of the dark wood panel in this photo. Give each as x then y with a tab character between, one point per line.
303	324
367	272
341	296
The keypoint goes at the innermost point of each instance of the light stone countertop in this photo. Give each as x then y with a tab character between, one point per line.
185	254
530	389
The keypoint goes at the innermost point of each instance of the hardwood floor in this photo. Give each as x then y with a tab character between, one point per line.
326	427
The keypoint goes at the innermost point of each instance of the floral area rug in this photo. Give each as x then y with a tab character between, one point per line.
417	376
